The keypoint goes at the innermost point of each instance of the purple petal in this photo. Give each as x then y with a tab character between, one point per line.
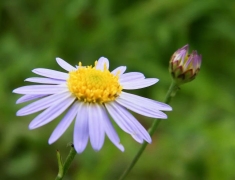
51	113
65	65
81	132
196	60
141	109
180	54
102	62
199	60
131	76
125	126
120	70
189	62
96	130
138	84
64	123
140	129
110	131
29	97
42	104
40	89
127	122
45	80
148	103
51	73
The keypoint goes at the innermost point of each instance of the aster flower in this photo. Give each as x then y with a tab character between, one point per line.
184	67
90	95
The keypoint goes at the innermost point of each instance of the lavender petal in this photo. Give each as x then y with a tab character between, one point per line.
138	84
118	113
148	103
29	97
64	123
81	131
51	113
43	104
40	89
131	76
51	73
109	129
101	63
65	65
142	109
45	80
96	130
119	70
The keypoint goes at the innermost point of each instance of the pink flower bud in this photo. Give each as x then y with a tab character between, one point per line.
183	66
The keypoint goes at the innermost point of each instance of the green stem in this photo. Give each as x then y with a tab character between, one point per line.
170	93
60	164
63	168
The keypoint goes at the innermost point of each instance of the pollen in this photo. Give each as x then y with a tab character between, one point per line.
92	85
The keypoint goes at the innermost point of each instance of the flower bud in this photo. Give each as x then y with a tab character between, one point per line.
183	66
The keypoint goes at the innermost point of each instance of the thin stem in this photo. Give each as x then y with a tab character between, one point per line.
170	93
60	164
69	159
63	168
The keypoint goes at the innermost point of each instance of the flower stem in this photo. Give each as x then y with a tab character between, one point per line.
170	93
63	168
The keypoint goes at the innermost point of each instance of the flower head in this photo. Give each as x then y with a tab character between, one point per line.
90	95
183	66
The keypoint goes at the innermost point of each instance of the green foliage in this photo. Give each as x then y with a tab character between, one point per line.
197	140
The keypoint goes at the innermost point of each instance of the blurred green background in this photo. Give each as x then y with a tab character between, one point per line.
197	142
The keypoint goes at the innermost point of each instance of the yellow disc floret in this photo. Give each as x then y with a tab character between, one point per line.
91	85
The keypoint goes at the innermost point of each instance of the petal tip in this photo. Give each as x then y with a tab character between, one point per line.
19	113
166	107
121	147
78	150
102	58
156	80
32	126
149	141
58	59
97	148
102	62
36	70
51	140
163	117
15	91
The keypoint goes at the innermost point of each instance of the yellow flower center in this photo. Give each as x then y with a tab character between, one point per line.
91	85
